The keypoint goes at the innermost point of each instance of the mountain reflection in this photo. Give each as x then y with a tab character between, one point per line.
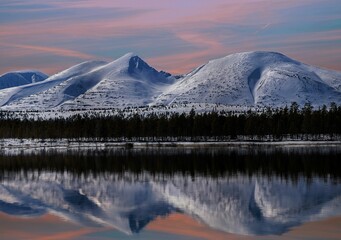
234	197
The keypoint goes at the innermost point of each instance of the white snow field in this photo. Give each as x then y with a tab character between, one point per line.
250	79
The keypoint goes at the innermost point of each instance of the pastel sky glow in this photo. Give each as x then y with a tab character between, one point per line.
174	36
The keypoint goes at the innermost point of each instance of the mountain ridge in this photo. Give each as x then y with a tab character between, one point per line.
253	79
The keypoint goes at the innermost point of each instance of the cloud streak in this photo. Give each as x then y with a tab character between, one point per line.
51	50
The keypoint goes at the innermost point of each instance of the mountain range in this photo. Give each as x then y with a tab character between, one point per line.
252	79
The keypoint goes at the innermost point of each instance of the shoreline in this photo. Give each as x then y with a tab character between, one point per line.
81	144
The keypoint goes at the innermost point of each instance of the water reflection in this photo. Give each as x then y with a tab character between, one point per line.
233	192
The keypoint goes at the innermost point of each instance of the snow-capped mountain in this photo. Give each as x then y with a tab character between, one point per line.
127	81
256	78
240	204
18	78
244	79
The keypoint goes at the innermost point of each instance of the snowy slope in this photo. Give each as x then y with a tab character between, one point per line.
249	79
18	78
256	78
27	92
26	96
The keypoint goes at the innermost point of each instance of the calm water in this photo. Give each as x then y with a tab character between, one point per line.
138	193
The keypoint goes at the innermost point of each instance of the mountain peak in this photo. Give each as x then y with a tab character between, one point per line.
133	64
126	57
129	55
136	63
124	62
254	56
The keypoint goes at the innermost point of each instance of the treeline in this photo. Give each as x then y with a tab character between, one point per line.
290	121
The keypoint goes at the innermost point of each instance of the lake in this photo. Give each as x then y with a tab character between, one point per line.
232	192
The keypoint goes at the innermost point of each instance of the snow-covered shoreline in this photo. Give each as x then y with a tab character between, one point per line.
23	146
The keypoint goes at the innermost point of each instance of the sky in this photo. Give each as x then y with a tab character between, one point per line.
172	35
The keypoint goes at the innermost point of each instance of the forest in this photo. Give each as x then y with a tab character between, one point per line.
294	122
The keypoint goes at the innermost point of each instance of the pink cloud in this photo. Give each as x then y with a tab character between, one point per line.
40	58
161	17
50	50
